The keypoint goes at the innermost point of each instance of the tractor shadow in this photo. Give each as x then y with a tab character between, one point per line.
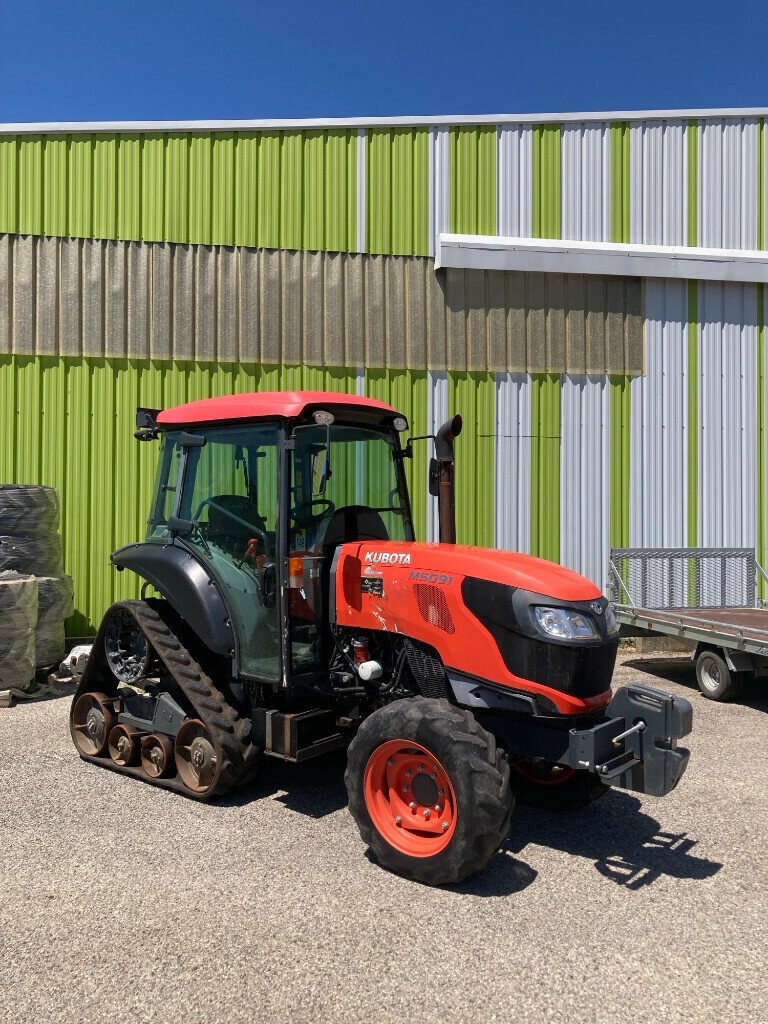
626	845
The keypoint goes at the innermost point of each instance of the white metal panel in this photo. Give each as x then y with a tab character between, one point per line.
514	176
437	414
558	256
658	183
728	173
439	184
586	182
513	461
728	424
585	451
658	488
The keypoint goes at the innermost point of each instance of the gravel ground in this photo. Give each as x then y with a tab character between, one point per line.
120	901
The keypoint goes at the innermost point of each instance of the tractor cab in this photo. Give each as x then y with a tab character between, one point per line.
253	495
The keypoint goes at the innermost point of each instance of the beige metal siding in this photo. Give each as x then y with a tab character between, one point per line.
81	297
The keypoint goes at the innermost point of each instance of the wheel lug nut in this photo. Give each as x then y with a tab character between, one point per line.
405	789
413	805
441	792
421	767
435	768
408	773
444	826
391	762
438	808
434	775
398	820
427	814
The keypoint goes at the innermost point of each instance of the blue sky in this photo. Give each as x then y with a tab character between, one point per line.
83	60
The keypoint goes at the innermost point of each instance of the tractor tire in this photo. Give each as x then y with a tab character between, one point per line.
716	680
429	790
55	598
18	604
38	554
28	509
555	788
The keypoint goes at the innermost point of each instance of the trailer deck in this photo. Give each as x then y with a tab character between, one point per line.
706	597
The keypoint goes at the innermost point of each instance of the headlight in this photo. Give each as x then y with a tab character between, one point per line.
565	624
611	622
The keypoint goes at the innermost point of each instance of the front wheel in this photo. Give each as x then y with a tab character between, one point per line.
428	790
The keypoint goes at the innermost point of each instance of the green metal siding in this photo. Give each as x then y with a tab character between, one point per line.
621	394
474	396
547	162
473	181
69	423
397	191
283	190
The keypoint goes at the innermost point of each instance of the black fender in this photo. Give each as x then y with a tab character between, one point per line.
186	585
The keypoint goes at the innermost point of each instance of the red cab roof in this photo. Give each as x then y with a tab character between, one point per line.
264	404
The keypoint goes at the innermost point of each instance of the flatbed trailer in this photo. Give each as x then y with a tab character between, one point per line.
708	598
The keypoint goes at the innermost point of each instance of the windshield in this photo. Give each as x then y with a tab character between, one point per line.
357	488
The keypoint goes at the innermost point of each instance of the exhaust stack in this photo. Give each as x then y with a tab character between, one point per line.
441	479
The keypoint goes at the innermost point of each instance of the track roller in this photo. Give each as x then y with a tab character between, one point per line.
196	756
157	755
124	745
92	722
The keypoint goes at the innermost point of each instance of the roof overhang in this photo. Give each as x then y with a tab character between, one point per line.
415	121
555	256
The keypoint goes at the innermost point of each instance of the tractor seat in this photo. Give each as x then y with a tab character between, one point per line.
353	522
227	532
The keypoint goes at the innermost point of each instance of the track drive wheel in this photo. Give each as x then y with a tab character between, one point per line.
91	722
196	759
157	755
124	745
555	787
428	790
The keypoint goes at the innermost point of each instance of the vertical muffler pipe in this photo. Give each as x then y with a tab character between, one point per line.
441	479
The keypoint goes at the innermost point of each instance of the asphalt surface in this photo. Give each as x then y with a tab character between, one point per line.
120	902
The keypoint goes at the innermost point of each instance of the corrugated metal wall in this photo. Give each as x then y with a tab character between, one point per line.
562	460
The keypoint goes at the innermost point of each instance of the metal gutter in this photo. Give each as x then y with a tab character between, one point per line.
553	256
293	124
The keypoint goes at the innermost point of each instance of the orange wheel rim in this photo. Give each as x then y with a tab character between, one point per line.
544	775
410	798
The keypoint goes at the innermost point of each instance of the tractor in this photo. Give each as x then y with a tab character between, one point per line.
287	611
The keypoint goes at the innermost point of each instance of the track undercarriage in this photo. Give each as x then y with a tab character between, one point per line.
181	732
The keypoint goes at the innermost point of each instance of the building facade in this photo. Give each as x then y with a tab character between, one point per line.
604	405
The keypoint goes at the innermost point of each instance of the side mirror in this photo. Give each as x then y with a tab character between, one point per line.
269	584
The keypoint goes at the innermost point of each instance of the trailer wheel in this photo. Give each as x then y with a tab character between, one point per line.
555	787
716	680
428	790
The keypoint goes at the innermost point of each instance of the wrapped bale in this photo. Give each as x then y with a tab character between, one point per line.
31	553
28	509
55	603
18	619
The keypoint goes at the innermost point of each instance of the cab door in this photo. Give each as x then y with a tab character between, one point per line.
229	495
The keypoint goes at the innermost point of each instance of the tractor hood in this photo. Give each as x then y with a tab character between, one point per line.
505	567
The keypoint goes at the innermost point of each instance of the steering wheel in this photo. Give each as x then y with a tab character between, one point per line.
252	530
302	515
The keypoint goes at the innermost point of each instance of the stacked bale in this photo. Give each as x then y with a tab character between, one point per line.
30	544
18	619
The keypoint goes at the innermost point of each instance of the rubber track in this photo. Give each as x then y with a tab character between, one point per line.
231	734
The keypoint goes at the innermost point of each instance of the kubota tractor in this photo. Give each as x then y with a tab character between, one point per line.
297	614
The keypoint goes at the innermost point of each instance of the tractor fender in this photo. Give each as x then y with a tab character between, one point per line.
186	585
